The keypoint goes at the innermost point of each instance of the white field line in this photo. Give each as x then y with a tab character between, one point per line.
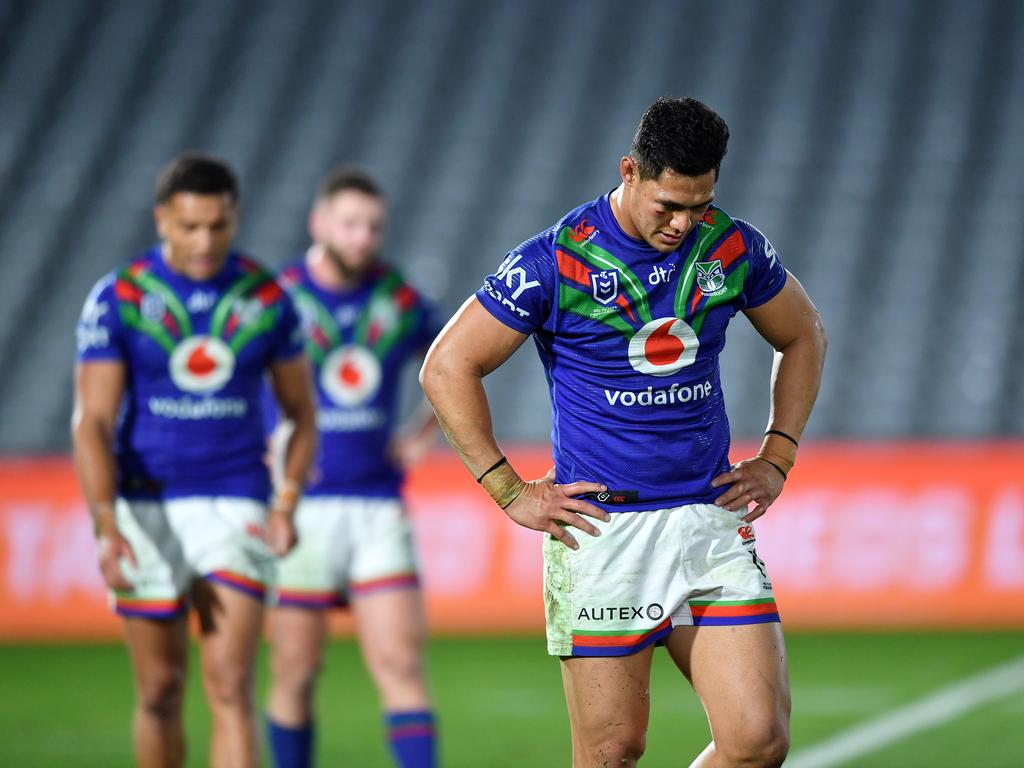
940	706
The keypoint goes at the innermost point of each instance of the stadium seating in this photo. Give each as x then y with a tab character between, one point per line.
886	170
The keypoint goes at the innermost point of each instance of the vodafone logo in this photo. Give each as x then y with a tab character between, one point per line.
663	346
202	364
350	375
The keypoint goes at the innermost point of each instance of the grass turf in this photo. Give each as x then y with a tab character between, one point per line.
500	702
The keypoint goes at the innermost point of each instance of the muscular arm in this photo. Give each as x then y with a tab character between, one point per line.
292	389
99	387
472	345
416	437
792	325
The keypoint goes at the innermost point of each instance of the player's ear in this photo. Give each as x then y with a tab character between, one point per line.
313	222
160	219
628	170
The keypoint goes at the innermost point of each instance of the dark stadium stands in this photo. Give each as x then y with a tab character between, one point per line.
878	143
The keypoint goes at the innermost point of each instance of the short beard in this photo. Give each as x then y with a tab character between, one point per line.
345	272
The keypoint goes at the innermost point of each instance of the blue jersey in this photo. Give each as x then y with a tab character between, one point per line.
195	355
359	342
629	338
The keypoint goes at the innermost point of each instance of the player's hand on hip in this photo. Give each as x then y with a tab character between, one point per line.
544	505
281	535
111	547
750	481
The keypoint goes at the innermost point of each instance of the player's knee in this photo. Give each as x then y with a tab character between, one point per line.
161	690
228	684
759	743
295	670
623	749
399	664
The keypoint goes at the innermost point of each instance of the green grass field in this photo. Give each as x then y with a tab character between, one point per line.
500	703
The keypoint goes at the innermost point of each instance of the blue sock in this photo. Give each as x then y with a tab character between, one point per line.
411	736
291	747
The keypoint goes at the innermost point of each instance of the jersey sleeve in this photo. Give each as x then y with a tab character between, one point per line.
767	275
99	334
290	339
521	293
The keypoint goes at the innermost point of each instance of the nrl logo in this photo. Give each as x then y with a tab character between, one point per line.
710	277
605	285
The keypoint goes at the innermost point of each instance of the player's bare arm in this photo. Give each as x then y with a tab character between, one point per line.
98	390
416	437
292	388
471	346
792	325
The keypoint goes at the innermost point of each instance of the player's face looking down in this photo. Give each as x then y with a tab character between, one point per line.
196	231
663	210
350	227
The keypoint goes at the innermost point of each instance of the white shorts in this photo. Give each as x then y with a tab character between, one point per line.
348	547
649	572
175	541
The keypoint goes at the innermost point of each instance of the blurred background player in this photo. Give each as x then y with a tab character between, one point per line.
364	323
168	445
640	429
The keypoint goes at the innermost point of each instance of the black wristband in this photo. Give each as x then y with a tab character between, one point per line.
766	461
783	434
493	467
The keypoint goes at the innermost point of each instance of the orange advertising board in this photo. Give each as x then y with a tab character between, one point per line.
865	535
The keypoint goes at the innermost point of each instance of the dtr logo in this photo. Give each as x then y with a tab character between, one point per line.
663	346
201	364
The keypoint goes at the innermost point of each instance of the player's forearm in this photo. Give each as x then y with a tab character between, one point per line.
300	448
796	378
460	403
96	468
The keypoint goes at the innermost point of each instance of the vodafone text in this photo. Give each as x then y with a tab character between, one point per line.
669	396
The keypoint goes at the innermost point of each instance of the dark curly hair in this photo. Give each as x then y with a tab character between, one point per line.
683	135
199	173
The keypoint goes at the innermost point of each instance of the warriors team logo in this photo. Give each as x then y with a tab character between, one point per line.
350	375
153	307
604	285
710	277
201	364
663	346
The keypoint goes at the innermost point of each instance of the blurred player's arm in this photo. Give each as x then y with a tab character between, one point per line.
472	345
416	437
792	325
99	387
292	385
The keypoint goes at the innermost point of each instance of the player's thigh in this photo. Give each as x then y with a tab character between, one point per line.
230	623
391	627
740	675
159	657
608	697
297	638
